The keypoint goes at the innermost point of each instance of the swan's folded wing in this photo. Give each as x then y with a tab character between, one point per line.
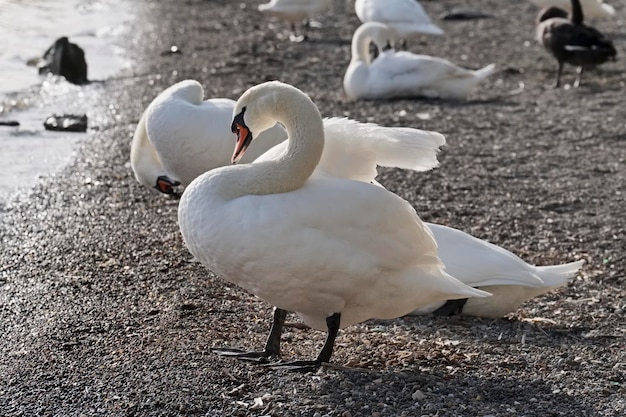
479	263
353	150
412	69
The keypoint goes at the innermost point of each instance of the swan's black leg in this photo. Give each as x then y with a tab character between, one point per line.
579	72
451	308
294	37
332	322
558	75
272	345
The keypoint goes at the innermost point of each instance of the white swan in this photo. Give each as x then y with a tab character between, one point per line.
295	11
405	18
181	135
403	74
335	251
481	264
591	8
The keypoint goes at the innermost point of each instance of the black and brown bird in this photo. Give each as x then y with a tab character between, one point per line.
570	41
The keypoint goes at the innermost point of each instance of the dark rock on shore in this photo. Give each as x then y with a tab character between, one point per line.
66	59
66	123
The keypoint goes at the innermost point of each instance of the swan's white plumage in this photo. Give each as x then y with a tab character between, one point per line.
591	8
405	18
402	73
353	150
509	279
294	10
316	246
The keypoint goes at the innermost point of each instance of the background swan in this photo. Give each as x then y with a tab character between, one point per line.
403	74
405	18
295	12
297	242
591	8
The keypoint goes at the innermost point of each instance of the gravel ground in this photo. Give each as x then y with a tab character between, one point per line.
103	312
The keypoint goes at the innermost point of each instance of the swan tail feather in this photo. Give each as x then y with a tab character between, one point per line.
485	72
557	275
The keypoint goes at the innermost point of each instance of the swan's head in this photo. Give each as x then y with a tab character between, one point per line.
166	185
257	110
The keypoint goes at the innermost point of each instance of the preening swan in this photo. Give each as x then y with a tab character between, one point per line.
591	8
181	135
572	42
403	74
481	264
405	18
337	252
295	12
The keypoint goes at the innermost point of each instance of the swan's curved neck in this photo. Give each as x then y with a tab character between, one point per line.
577	13
360	47
305	129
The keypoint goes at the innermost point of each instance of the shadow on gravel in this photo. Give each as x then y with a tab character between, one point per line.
428	394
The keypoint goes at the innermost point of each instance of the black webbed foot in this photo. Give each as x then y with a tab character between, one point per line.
258	357
295	366
272	345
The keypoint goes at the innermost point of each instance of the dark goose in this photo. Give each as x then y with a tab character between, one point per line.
570	41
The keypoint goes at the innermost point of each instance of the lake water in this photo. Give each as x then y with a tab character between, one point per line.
27	29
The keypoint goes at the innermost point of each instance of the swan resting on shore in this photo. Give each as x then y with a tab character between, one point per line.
181	135
394	74
298	241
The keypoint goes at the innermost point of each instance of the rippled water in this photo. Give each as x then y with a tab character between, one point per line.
27	29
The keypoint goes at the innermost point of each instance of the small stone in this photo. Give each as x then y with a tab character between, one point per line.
418	395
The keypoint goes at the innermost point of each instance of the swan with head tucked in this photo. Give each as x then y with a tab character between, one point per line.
181	135
295	11
591	8
405	18
403	74
337	252
570	41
